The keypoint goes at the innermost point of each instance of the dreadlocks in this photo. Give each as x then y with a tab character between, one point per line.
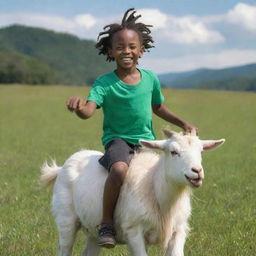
128	22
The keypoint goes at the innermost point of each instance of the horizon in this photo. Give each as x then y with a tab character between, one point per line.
165	73
187	36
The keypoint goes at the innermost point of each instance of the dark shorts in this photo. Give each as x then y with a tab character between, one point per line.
118	150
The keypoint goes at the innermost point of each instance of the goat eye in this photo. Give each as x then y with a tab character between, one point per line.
174	153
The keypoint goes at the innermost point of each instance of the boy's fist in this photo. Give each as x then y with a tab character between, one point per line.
75	103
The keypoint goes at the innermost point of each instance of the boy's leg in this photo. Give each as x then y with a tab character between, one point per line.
111	192
116	159
112	189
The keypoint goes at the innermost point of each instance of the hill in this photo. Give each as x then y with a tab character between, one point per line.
234	78
18	68
70	59
38	56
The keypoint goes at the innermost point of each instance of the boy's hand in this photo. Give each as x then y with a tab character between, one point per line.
75	103
188	128
82	109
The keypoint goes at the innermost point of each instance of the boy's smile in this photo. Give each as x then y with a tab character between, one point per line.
126	49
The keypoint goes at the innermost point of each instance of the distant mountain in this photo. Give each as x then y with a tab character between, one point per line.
173	78
71	60
234	78
31	55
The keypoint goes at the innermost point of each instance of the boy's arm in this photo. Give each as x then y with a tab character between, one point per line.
83	109
163	112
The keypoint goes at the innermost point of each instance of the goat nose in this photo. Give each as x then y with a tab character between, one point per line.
196	170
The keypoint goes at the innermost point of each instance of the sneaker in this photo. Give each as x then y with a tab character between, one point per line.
106	236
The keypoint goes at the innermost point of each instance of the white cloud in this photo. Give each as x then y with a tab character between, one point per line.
45	21
153	17
243	15
190	30
78	25
181	30
228	58
212	19
85	20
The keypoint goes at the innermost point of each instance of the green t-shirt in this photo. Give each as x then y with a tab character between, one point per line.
127	108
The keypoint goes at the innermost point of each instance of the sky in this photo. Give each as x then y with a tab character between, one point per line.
188	34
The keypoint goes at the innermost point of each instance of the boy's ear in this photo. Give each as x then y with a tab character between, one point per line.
142	49
110	53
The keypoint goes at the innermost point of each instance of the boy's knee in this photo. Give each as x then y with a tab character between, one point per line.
118	172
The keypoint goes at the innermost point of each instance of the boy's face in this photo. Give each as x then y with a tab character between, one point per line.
126	48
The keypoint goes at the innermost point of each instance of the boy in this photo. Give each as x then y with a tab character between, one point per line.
127	96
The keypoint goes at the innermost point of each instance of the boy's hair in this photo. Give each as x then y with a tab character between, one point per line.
128	22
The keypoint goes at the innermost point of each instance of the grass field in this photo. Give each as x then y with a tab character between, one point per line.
35	126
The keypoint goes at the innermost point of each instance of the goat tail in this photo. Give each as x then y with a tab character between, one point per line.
49	173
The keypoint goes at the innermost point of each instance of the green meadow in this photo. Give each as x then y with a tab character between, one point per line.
35	126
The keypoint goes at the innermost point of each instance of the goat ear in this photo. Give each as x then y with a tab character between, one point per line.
155	144
168	133
211	144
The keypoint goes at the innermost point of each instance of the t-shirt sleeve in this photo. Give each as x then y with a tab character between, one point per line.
97	94
157	96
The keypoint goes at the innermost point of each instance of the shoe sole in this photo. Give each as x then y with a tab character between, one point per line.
107	245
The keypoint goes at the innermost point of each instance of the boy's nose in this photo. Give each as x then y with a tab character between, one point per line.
126	50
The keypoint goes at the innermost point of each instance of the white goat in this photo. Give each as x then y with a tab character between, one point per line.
154	202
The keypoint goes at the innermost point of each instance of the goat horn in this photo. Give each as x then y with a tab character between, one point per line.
193	132
168	133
